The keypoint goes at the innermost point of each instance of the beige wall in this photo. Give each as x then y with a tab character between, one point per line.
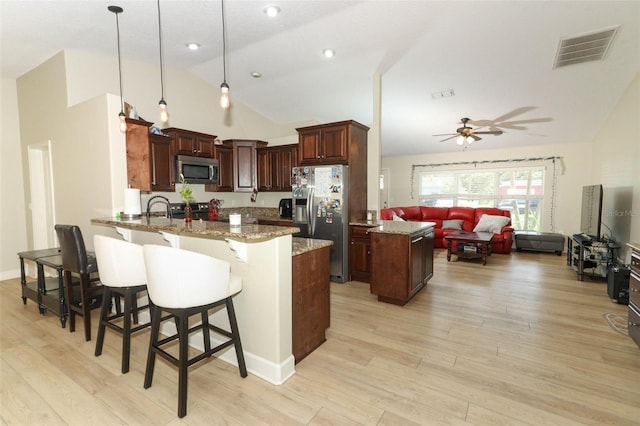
616	165
13	234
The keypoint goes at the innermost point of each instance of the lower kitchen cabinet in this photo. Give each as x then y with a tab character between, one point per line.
359	253
310	301
401	264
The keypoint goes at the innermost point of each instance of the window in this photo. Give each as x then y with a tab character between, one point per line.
519	190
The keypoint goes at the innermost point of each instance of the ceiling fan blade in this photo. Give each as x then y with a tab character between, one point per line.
489	132
474	137
515	112
447	134
449	138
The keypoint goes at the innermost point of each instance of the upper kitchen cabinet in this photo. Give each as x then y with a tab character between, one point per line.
344	142
224	155
187	142
274	167
150	158
245	171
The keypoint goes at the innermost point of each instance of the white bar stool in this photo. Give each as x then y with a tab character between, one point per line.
122	273
184	283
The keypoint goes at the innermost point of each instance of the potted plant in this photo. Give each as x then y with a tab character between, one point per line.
186	192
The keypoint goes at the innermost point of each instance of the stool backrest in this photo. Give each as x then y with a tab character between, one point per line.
73	251
179	278
121	263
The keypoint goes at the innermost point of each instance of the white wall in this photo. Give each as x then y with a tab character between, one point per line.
616	165
13	227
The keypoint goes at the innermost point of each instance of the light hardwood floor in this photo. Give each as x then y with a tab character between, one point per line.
518	341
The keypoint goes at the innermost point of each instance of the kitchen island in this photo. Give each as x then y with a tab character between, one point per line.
262	256
401	259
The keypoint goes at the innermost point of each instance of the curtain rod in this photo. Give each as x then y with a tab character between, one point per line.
475	163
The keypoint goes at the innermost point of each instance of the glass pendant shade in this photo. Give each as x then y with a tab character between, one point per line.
460	140
224	95
164	113
123	122
470	140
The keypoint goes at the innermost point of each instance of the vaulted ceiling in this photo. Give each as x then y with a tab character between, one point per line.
496	59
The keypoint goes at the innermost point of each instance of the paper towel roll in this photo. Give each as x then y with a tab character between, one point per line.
132	201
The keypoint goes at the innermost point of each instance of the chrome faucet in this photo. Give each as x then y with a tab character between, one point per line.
159	199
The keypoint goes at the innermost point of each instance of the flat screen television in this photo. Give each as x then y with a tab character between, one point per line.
591	216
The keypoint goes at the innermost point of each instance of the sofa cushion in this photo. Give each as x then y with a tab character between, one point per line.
452	224
491	223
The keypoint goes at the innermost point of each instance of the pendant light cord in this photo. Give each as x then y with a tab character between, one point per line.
119	63
224	46
161	62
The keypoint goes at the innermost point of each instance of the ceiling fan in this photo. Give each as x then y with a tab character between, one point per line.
467	134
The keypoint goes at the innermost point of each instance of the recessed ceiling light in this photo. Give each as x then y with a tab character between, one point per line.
272	11
256	74
193	46
329	53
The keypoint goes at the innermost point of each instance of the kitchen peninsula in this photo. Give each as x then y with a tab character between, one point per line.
262	255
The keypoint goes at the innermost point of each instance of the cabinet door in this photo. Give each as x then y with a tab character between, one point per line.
225	158
417	262
274	169
288	160
360	254
428	258
334	145
244	170
205	147
162	163
309	147
264	169
185	143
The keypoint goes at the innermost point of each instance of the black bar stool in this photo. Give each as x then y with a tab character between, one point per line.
184	283
122	273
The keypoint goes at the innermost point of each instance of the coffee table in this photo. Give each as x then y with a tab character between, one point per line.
474	245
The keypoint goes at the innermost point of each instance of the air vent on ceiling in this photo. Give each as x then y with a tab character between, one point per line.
584	48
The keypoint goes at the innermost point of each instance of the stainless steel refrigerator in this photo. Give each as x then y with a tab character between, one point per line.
320	209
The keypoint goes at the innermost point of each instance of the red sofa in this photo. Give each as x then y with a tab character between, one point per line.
470	216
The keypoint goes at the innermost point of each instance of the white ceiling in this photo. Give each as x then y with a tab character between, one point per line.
496	56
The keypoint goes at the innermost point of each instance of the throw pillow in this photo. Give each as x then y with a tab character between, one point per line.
490	223
452	224
397	218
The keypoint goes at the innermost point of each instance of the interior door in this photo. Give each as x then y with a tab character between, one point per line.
384	188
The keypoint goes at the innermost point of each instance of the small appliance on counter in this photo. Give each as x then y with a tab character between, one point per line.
285	208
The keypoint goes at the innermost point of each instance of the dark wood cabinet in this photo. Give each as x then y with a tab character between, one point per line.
244	163
359	253
310	294
224	155
343	142
274	167
150	159
187	142
326	144
401	264
634	294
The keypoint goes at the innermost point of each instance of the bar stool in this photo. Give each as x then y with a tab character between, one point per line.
184	283
76	261
122	273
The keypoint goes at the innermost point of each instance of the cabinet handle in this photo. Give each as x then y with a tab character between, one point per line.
633	324
416	240
635	290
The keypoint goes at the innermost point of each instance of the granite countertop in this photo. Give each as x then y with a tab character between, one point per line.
400	227
304	245
204	229
634	246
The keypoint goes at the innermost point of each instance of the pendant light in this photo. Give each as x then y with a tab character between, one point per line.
164	114
224	87
123	124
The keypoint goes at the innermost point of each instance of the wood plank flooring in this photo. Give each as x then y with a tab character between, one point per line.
519	341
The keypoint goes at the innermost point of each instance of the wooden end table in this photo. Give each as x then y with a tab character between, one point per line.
475	245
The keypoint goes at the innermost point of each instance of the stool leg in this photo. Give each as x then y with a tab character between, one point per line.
183	364
205	331
104	313
153	342
126	330
236	337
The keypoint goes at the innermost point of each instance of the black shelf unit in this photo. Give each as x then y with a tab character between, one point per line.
583	255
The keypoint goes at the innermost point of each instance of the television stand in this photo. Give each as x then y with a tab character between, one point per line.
591	254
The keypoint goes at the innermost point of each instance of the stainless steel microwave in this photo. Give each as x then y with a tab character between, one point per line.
197	169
